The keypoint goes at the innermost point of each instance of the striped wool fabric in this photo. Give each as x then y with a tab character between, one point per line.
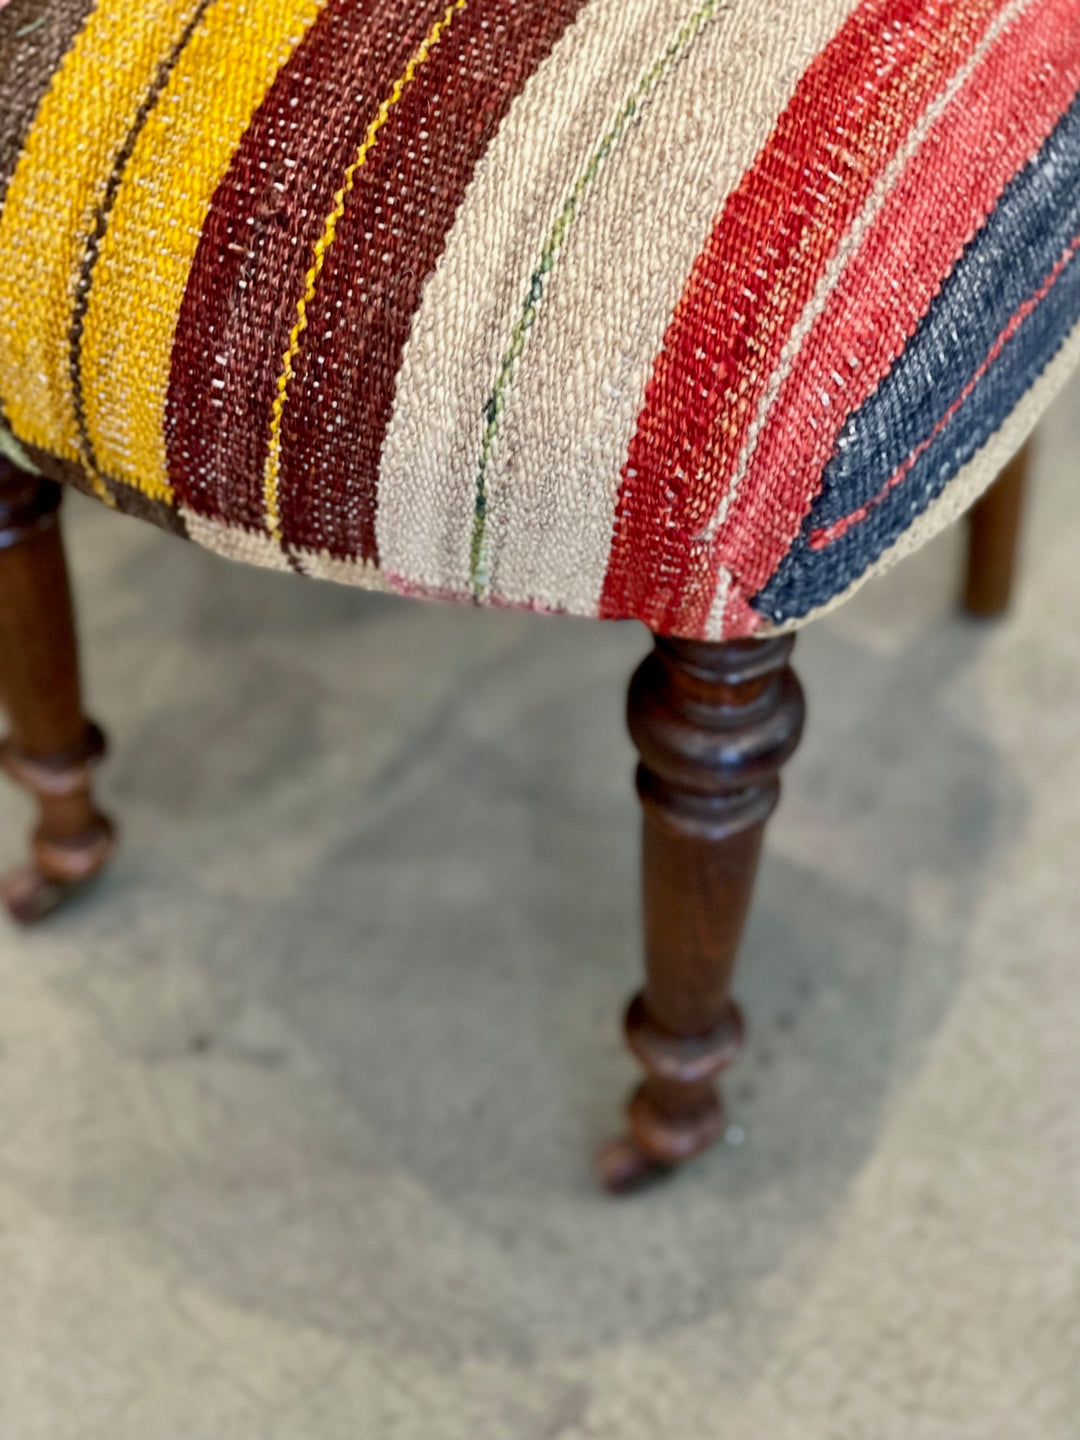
699	312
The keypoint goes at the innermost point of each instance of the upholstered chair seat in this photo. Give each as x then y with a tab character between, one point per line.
695	312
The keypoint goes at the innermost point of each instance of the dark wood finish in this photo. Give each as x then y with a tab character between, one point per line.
713	724
52	747
993	540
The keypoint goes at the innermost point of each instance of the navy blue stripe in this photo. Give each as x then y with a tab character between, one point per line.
1004	265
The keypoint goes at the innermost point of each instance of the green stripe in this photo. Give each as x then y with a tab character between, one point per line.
680	43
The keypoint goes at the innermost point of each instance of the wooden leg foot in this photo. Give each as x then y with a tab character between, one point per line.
713	724
53	748
74	839
623	1168
29	895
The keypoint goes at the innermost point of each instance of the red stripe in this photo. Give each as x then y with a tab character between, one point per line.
393	230
849	114
256	247
1000	118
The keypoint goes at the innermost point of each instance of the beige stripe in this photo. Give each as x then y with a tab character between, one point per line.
580	383
234	543
321	565
969	483
848	247
714	621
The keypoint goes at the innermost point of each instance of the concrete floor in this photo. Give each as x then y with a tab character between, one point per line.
295	1107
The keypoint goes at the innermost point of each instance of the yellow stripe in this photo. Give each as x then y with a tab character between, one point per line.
272	469
59	180
146	256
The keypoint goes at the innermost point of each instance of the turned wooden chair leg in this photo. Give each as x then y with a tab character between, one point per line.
993	540
713	724
52	747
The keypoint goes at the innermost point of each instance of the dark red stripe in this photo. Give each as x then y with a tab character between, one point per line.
256	247
395	225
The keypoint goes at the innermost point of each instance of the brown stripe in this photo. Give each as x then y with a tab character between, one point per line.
128	500
34	37
256	247
393	230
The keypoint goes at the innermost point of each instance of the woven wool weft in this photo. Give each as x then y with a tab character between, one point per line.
694	311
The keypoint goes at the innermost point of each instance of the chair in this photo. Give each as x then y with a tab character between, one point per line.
693	313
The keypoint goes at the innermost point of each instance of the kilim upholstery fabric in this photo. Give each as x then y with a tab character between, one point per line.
690	311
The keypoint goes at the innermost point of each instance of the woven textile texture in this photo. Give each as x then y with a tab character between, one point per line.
690	311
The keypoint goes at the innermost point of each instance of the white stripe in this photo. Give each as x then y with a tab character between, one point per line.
233	542
249	548
321	565
714	621
580	384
